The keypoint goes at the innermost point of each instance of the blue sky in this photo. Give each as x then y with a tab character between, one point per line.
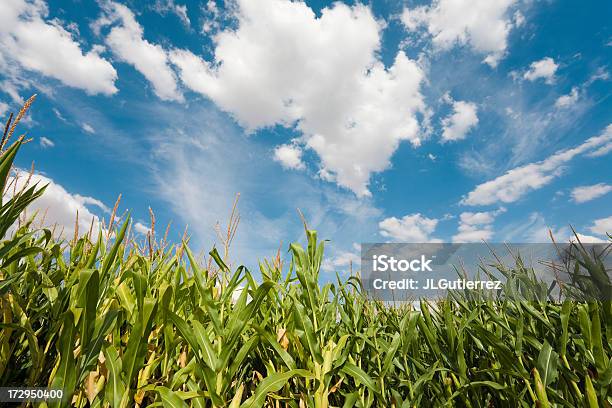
385	121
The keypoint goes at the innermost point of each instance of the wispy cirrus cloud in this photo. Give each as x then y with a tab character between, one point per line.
45	142
517	182
583	194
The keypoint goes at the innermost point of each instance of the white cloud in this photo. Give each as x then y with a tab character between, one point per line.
599	75
589	239
198	140
289	156
46	142
169	6
482	24
544	68
59	115
602	226
58	206
213	17
140	228
519	19
3	108
283	65
536	230
602	151
476	227
84	200
587	193
29	39
517	182
88	128
568	100
342	260
463	119
126	41
410	228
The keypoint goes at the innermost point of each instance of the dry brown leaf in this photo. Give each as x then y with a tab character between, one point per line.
282	339
90	385
335	387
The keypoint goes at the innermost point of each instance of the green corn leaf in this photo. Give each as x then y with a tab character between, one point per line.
109	260
209	355
597	338
540	389
6	161
65	376
390	354
566	310
136	349
547	363
591	395
237	397
272	383
170	398
115	387
360	376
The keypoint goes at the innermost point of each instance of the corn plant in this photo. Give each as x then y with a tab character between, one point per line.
114	325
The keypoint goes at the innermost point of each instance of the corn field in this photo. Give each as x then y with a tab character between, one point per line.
115	323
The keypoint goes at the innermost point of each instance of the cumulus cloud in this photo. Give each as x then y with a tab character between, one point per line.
140	228
46	142
409	228
544	68
126	41
565	101
459	123
58	207
476	226
32	41
482	24
284	65
602	226
84	200
587	193
342	260
289	156
517	182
